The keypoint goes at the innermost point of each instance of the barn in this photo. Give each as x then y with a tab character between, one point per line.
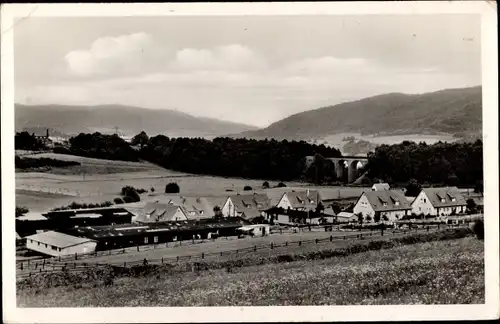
59	244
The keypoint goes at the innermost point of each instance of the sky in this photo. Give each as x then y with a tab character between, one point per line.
247	69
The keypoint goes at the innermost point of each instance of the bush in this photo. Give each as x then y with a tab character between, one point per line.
76	205
265	185
172	187
247	188
281	185
478	229
28	163
118	200
152	189
21	211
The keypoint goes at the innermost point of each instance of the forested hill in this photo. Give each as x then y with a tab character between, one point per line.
129	120
452	111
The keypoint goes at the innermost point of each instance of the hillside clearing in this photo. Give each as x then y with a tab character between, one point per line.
444	272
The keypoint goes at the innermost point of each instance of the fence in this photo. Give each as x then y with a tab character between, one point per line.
26	269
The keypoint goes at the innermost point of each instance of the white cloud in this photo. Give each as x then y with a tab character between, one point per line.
109	54
228	57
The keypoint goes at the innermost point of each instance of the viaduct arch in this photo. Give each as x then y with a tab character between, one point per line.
349	163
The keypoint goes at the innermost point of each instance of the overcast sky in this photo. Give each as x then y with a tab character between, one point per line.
253	70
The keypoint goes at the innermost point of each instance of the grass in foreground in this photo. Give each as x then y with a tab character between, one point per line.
444	272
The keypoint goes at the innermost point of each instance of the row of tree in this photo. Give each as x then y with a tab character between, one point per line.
441	163
27	141
245	158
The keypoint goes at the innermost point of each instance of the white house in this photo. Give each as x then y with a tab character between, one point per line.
439	202
256	230
386	205
155	212
381	186
248	206
345	217
299	200
58	244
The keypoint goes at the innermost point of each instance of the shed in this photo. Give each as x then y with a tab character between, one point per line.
58	244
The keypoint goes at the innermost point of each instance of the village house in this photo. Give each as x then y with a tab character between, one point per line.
345	217
59	244
156	212
439	202
381	186
306	200
246	206
386	205
196	207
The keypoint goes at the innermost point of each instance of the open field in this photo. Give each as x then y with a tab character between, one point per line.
101	180
442	272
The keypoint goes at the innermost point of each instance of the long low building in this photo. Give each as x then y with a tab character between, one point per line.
62	219
126	235
59	244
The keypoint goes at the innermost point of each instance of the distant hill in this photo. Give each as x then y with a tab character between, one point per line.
129	120
452	111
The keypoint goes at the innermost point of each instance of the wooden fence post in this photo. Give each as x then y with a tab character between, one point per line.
272	245
76	256
331	238
21	266
300	243
177	258
316	241
203	255
124	264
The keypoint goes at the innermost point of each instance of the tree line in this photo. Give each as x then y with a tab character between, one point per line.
228	157
452	164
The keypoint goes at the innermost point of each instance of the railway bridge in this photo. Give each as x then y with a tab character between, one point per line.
351	164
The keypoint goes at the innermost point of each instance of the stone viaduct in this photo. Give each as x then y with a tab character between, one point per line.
339	165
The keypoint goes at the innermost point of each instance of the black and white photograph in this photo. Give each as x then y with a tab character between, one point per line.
230	156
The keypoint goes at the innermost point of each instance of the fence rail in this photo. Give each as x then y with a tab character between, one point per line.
26	269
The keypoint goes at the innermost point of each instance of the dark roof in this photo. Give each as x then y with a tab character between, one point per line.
445	197
99	210
97	232
387	200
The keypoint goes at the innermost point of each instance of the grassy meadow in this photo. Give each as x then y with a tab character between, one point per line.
438	272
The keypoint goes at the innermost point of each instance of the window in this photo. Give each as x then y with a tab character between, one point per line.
54	248
46	246
396	203
156	239
425	200
59	249
453	199
145	240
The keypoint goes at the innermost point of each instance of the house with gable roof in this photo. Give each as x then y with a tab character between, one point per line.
439	202
387	205
157	212
246	206
299	200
